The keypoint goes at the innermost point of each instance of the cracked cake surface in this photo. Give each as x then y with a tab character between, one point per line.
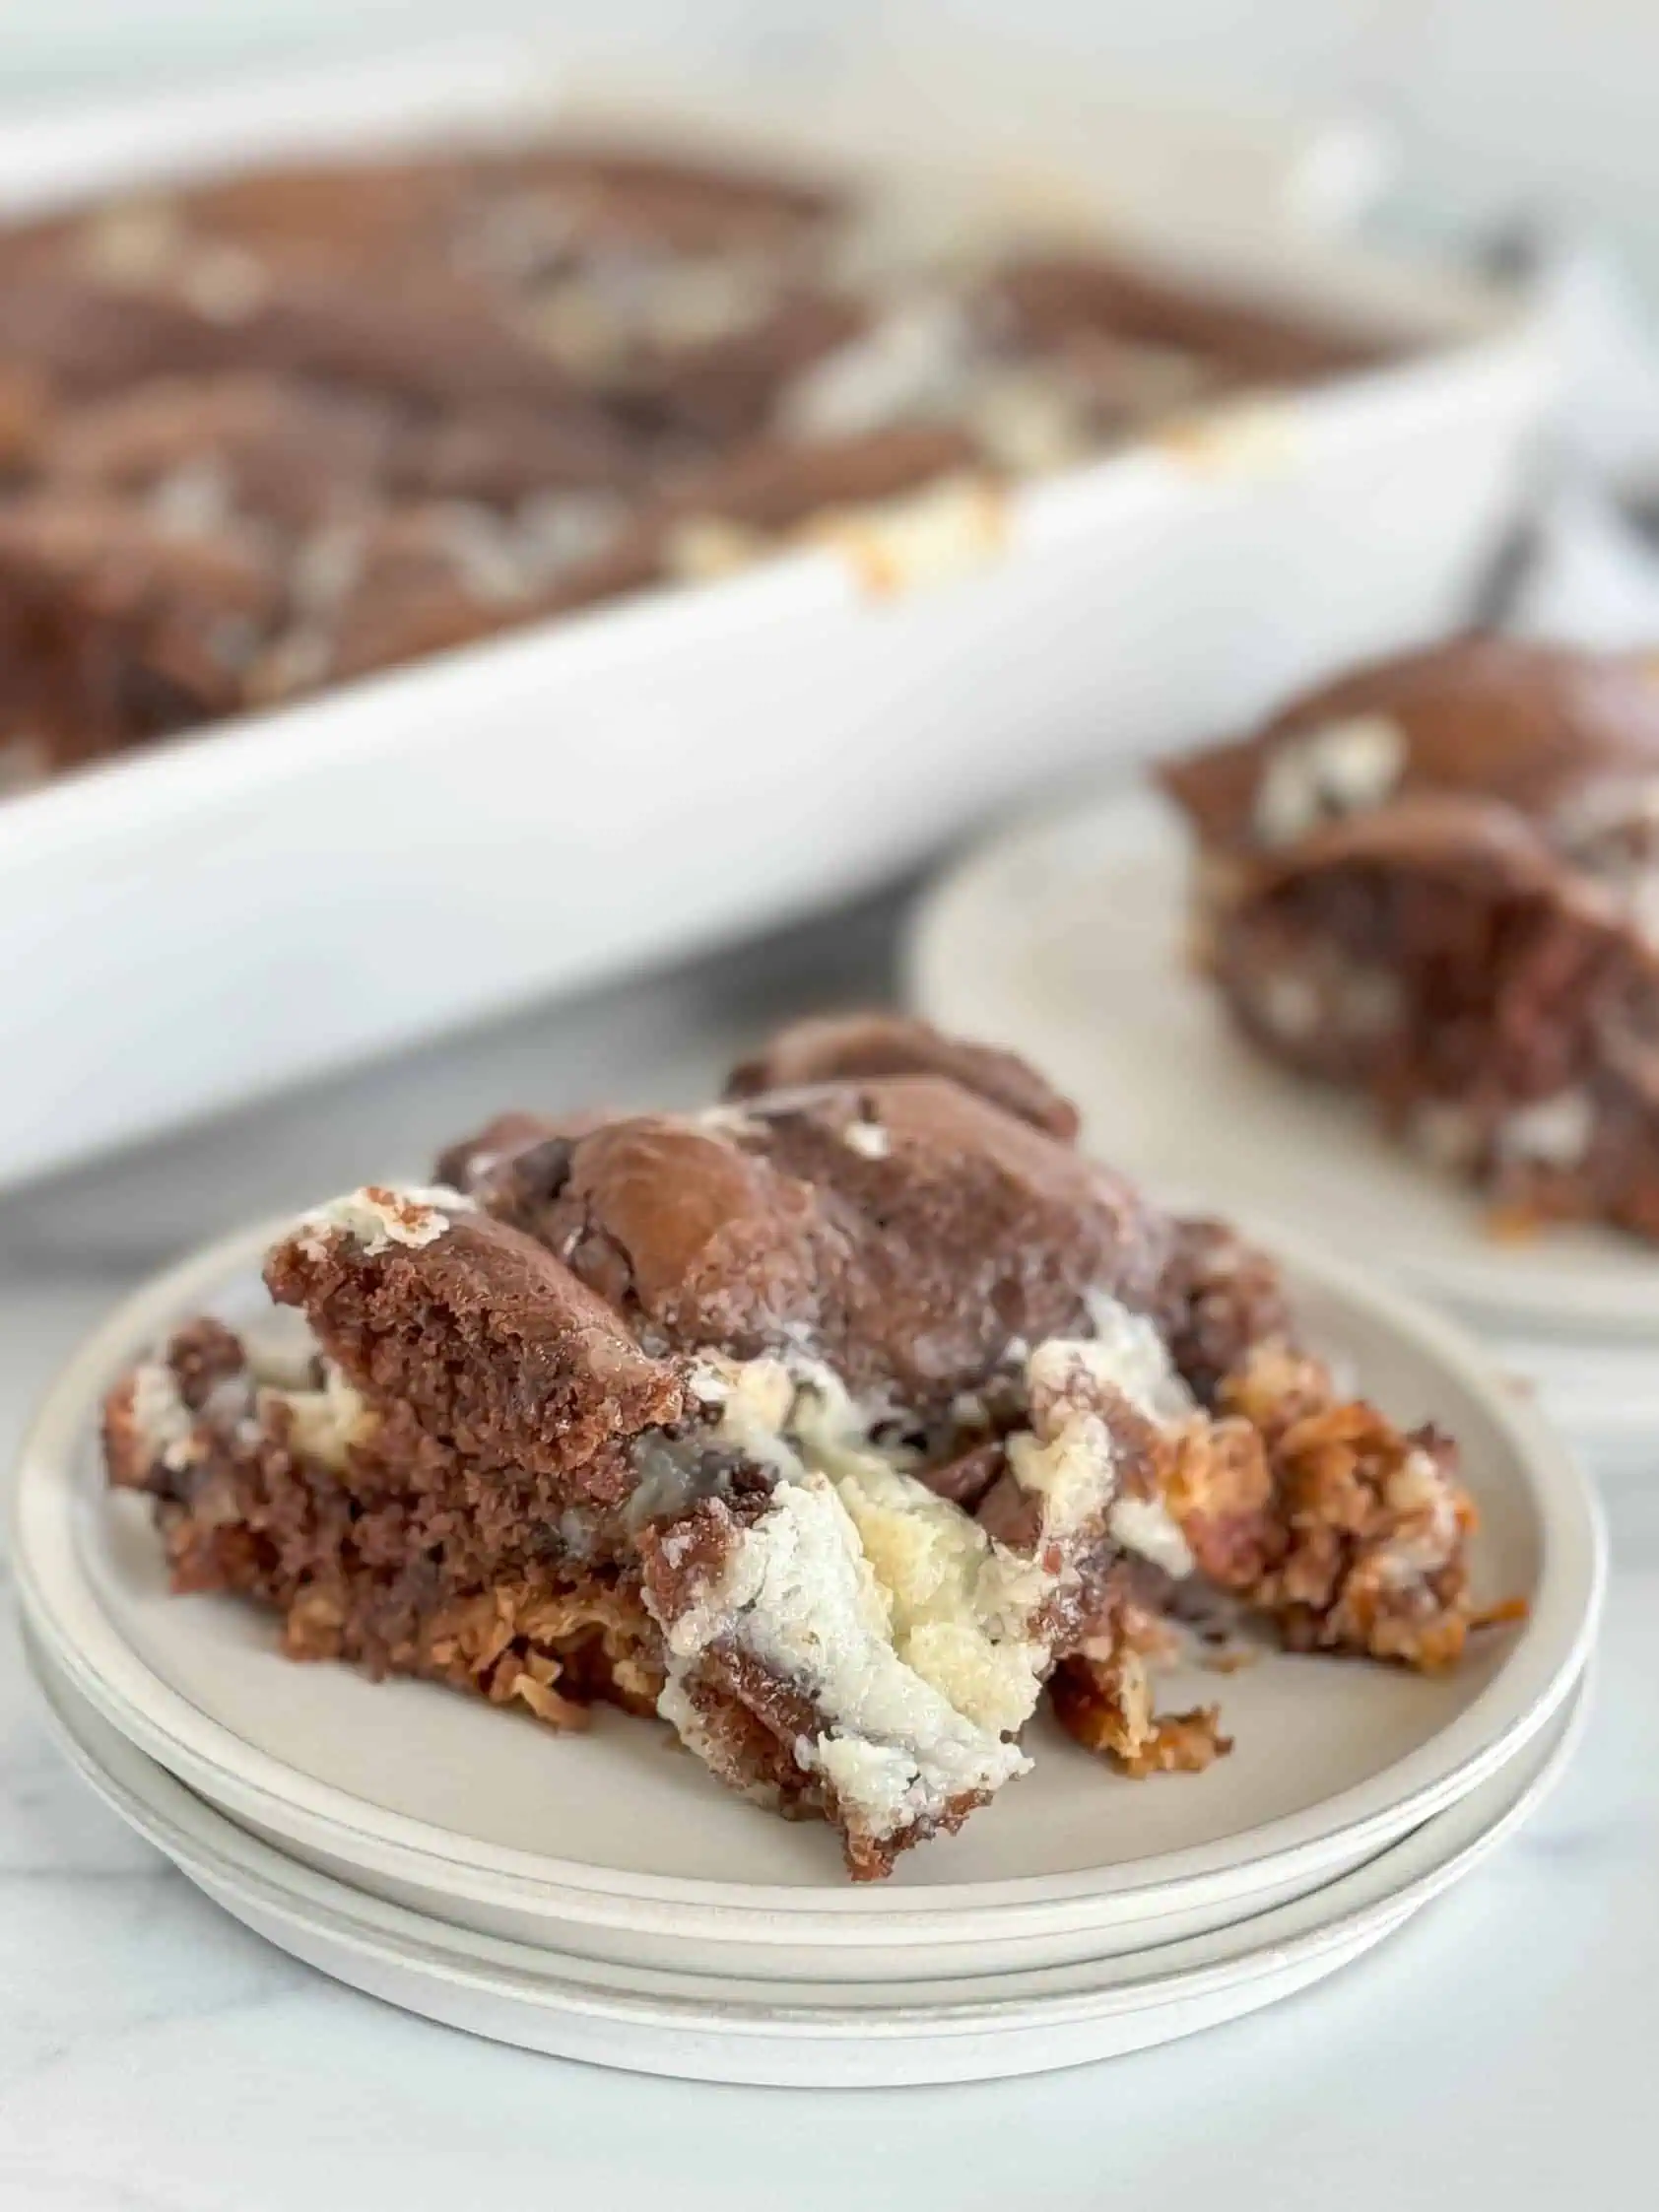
837	1426
1435	881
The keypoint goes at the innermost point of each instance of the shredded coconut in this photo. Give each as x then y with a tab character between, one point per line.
915	362
376	1217
165	1426
1147	1527
223	283
135	243
1288	1003
193	501
1030	421
1446	1133
702	548
174	1436
942	531
1341	769
1429	1533
867	1138
730	1121
1553	1132
1130	1354
327	566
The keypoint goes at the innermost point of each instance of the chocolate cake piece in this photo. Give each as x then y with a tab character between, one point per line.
496	1348
846	1048
1533	728
1434	882
834	1425
274	1479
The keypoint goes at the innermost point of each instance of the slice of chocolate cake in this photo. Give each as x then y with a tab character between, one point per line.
833	1424
1436	882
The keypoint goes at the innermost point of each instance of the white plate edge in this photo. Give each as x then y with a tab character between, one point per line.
186	1736
406	1939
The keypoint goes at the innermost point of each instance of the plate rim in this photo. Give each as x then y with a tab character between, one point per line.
1486	1286
63	1604
1376	1896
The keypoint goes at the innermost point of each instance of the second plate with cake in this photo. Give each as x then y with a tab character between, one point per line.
1067	939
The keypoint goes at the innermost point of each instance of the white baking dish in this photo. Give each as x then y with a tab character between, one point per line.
292	892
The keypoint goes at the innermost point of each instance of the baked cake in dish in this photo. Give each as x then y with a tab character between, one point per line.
264	435
836	1425
1435	881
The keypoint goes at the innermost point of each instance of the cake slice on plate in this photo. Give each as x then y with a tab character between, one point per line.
1435	881
835	1425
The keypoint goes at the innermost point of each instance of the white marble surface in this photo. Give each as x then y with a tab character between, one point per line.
156	2056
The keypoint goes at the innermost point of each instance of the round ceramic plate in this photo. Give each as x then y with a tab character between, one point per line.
480	1813
1064	939
826	2035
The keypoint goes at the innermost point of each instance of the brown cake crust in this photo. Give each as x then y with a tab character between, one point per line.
904	1229
851	1048
1480	718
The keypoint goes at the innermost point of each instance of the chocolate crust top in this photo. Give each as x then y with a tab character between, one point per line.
850	1047
1495	719
1056	300
906	1230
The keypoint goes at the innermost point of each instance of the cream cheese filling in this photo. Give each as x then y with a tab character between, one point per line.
921	1639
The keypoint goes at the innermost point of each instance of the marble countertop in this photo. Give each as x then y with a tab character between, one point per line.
155	2056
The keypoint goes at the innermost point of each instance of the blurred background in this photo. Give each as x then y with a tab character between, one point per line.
1462	138
1497	110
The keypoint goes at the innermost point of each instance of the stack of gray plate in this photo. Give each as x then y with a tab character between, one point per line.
598	1896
